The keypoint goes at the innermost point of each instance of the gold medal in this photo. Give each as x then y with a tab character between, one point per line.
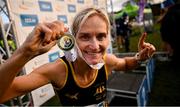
66	42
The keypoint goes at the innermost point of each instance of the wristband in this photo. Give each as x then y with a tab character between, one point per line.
137	57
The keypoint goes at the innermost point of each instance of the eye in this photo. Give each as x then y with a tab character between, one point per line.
84	36
101	36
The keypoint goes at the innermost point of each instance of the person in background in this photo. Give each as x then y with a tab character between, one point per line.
168	74
78	83
170	32
123	29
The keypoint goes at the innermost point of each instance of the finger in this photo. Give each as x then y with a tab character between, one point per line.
48	36
61	27
55	30
66	28
43	32
141	40
47	47
147	44
143	54
151	51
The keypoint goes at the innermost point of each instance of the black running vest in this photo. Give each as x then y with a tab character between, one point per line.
73	95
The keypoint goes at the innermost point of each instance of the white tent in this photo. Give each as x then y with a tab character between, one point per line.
155	1
115	5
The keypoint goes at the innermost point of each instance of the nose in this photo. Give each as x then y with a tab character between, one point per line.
94	44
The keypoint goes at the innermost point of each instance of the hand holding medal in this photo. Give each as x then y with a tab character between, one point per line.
66	42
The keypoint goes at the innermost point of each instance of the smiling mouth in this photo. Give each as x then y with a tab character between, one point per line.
93	53
94	57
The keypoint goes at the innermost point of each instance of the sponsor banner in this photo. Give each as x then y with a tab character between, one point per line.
53	56
71	8
45	6
28	20
42	94
80	1
47	17
63	18
95	2
26	14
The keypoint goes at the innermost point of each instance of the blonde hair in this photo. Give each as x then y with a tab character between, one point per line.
82	16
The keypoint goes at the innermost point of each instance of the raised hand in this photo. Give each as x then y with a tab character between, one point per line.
146	50
43	37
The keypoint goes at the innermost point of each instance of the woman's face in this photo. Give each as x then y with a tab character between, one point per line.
93	39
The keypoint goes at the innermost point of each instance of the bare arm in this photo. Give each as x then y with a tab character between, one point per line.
120	64
146	50
48	73
39	41
24	84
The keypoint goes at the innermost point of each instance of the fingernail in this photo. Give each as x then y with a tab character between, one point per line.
66	28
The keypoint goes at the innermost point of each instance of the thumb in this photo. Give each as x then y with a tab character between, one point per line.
47	47
141	41
143	54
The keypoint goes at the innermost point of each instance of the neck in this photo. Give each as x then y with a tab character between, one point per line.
81	68
83	74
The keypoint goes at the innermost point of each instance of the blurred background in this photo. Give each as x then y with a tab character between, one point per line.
129	20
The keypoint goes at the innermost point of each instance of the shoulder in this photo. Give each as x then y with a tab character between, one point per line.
54	71
110	58
53	67
113	62
110	61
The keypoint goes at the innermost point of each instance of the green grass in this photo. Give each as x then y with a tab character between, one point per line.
153	37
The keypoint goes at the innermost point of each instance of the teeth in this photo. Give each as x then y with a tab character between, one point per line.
90	53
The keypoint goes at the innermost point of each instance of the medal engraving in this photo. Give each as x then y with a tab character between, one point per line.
66	42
